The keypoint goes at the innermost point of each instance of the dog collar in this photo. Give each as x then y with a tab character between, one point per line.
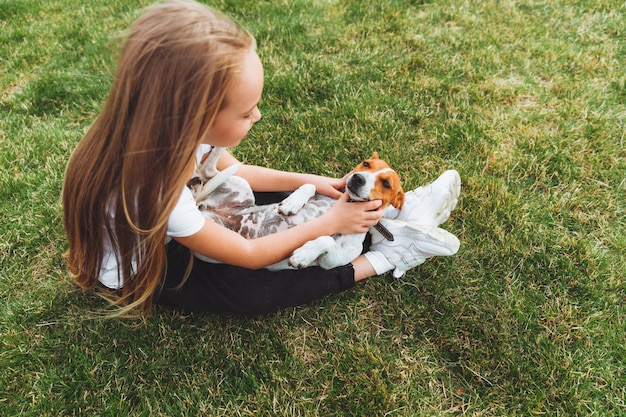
384	231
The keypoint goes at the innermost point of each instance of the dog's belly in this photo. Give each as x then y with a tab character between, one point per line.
232	206
264	220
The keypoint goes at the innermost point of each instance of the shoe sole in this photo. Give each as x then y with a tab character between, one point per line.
437	241
451	182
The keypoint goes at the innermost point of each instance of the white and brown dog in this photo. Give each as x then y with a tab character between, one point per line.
228	200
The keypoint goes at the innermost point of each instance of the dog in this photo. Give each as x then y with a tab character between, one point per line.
228	200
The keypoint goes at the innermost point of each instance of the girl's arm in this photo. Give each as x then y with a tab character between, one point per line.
267	179
227	246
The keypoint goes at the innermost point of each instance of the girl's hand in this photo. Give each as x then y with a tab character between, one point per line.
353	217
328	186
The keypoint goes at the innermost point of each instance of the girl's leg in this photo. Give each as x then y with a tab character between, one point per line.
220	288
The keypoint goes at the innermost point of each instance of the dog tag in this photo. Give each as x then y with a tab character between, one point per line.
384	231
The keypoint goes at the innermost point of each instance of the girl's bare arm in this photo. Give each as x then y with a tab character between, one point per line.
267	179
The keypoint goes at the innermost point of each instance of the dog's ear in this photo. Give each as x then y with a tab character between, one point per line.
398	201
374	155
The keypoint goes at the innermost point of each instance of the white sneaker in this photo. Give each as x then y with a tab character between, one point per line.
431	204
411	246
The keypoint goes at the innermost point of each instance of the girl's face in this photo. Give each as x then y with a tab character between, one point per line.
233	122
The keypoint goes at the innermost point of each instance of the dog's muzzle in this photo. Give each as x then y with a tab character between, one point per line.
355	183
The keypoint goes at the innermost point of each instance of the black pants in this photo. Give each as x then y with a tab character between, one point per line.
220	288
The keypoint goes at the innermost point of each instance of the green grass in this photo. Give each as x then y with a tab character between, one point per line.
527	100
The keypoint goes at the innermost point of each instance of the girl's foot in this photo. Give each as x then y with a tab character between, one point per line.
411	246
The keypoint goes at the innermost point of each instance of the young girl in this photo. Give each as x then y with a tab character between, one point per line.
189	76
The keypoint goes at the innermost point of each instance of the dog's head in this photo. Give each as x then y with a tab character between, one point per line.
373	179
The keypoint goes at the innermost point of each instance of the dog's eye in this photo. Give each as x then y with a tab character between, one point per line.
366	164
386	184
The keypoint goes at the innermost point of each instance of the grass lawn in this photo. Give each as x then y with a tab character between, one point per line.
526	99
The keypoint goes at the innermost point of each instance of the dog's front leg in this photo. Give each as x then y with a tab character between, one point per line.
292	204
308	253
345	249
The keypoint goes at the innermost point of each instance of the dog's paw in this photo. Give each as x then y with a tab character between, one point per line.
299	260
308	253
292	204
303	257
289	208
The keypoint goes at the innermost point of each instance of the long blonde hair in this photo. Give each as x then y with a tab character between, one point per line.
126	175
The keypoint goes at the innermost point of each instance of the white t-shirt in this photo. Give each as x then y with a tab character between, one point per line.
185	220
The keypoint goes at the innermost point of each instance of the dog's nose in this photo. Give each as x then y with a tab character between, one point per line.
357	180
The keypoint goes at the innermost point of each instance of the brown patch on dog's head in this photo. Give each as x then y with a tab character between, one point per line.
387	186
